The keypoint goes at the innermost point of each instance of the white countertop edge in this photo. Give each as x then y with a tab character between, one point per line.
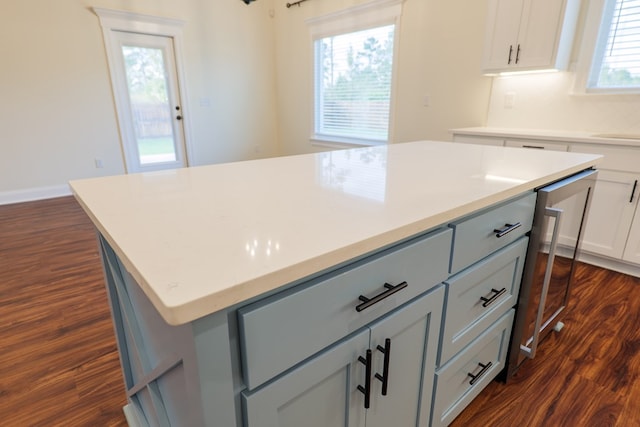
214	302
543	134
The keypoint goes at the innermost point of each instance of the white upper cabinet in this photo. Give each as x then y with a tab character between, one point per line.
524	35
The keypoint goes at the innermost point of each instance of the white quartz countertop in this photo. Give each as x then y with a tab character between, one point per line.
606	138
201	239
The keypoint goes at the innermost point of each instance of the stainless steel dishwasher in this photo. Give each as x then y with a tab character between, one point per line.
560	214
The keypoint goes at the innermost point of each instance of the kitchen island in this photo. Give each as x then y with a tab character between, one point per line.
271	292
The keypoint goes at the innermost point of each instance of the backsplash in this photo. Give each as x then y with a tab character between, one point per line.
545	101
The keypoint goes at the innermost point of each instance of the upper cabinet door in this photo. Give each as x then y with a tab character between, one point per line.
503	24
540	29
543	35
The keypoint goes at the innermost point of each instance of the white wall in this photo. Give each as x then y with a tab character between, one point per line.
545	101
439	56
57	112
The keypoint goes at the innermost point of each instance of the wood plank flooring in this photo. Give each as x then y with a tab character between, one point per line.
58	360
59	366
588	374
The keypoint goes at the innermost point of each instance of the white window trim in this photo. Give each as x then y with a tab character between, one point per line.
584	65
116	20
376	13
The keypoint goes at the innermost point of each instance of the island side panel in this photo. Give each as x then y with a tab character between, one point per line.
166	382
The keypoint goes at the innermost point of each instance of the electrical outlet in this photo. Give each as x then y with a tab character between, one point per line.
509	99
98	163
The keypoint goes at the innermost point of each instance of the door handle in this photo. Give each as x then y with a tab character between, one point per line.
386	350
366	390
530	352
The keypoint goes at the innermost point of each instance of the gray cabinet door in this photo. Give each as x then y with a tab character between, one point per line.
322	392
413	340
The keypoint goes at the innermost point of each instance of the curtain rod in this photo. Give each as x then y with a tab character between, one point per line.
297	3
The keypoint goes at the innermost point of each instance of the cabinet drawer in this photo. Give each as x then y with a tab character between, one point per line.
481	140
454	390
283	330
497	280
623	159
535	144
474	237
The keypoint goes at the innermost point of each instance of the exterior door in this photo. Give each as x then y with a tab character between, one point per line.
150	113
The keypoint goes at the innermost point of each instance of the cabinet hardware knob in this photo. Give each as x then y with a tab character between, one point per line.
476	377
178	117
496	294
518	54
368	302
633	191
510	53
508	228
366	390
386	350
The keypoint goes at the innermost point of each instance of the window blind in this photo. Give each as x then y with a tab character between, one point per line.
620	63
353	84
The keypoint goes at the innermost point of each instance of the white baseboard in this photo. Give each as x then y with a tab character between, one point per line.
610	264
30	194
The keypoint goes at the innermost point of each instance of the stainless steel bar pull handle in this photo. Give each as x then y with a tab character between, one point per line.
530	352
508	228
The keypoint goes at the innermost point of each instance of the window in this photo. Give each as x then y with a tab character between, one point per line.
353	84
354	52
616	60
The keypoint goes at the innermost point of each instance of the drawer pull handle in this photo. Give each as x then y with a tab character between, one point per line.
366	390
537	147
368	302
475	378
508	228
386	350
496	294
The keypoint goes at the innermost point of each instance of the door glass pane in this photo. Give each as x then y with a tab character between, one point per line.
150	107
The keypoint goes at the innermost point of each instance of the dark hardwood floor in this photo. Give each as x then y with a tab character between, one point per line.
59	365
58	359
588	374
